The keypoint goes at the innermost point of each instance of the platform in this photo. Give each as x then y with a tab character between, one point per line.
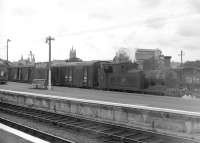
190	105
170	115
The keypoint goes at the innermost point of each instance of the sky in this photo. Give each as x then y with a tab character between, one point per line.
97	29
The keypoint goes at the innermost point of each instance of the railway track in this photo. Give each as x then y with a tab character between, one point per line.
42	135
107	132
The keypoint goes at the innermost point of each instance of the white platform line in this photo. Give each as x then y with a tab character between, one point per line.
21	134
143	107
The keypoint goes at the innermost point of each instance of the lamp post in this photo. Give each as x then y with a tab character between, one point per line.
8	40
48	40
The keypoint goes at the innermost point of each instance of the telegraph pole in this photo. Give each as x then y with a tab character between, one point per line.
181	55
181	58
48	40
181	67
8	40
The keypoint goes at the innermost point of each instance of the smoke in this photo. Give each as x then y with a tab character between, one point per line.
126	51
124	54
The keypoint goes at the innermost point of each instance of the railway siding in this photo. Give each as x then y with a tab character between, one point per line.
174	122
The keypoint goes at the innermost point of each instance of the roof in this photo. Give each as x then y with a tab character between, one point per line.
84	63
41	65
22	65
148	50
59	63
125	63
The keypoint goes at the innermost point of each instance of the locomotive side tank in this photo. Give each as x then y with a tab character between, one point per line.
122	76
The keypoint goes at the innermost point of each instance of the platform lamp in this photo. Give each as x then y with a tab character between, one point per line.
48	40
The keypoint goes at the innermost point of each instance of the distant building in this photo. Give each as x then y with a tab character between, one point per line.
72	53
72	56
151	59
144	54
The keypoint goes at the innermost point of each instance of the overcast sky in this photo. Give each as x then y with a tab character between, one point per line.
98	28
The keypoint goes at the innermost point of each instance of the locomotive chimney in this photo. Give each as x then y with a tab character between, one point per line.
167	61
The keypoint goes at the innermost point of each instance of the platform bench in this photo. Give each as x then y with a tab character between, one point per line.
39	84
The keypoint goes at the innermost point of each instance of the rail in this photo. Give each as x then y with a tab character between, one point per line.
42	135
109	133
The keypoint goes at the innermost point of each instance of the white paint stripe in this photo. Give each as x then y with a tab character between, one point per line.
144	107
21	134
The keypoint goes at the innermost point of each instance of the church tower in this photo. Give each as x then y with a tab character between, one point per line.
72	54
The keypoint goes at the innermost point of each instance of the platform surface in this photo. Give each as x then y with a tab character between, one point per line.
191	105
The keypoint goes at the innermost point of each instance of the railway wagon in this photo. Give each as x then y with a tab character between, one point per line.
87	74
13	73
58	72
21	73
3	72
76	74
122	77
26	73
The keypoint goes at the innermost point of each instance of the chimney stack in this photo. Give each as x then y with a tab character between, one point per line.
167	61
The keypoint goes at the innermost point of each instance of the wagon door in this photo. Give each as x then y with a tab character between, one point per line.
78	76
25	74
19	74
62	75
30	73
69	76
